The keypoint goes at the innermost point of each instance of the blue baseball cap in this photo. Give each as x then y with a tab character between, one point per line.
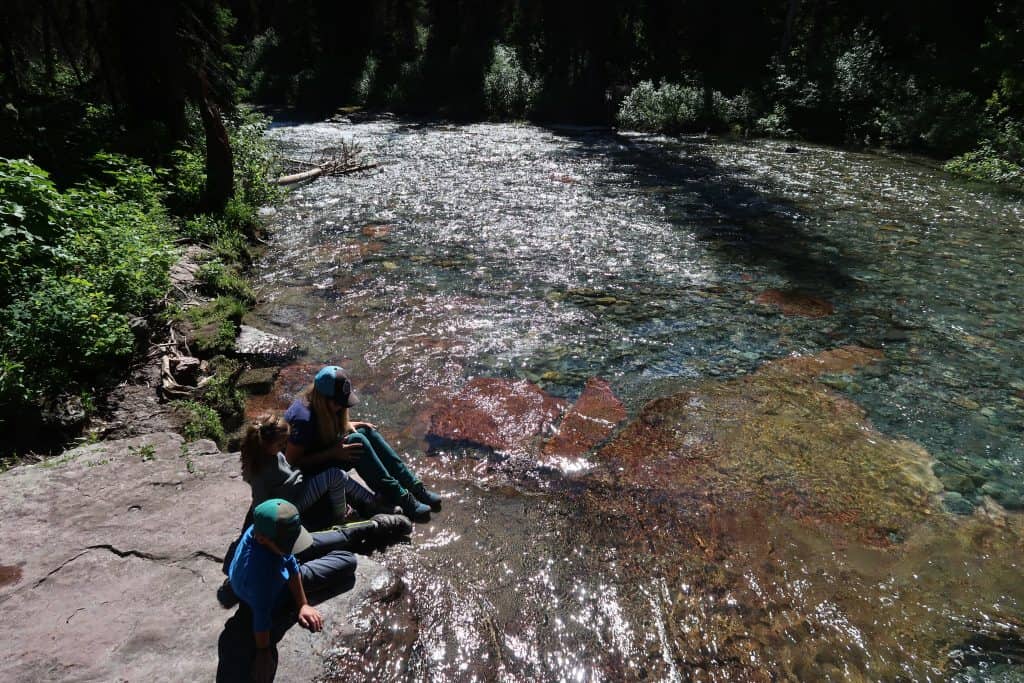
332	382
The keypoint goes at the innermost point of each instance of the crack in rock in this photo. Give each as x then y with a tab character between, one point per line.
159	559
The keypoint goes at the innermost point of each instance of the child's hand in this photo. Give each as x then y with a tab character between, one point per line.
368	425
310	618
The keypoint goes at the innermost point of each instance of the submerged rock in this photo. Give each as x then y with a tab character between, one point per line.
781	437
589	422
290	380
495	414
770	512
796	303
257	380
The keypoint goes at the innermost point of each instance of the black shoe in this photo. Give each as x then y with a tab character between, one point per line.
393	525
413	509
382	507
226	595
425	495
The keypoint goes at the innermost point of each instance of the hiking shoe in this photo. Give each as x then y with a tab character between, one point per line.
381	506
425	495
393	525
413	509
226	595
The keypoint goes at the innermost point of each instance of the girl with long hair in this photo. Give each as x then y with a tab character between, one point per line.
322	432
267	470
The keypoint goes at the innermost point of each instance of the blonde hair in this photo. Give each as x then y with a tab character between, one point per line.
329	424
258	436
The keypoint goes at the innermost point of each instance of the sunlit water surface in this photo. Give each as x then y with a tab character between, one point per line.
559	254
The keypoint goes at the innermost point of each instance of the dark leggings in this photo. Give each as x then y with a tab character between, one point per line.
380	467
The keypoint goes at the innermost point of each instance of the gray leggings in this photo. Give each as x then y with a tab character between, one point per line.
335	483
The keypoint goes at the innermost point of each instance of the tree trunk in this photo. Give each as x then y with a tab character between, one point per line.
220	169
787	34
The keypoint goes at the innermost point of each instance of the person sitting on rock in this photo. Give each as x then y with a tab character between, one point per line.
322	433
276	551
267	469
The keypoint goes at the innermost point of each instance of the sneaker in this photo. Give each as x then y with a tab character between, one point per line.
226	595
425	495
413	509
393	525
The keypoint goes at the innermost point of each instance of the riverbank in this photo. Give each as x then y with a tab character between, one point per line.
105	578
116	267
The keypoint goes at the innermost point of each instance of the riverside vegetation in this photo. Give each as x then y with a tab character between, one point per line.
84	270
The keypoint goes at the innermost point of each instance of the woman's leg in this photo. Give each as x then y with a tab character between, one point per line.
377	475
374	472
392	462
399	470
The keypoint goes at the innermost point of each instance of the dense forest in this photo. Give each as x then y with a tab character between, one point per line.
126	129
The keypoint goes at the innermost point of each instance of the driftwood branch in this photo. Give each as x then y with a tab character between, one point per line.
342	161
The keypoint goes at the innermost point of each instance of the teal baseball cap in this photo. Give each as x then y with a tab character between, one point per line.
278	520
333	382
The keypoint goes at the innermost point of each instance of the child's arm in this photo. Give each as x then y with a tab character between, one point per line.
309	617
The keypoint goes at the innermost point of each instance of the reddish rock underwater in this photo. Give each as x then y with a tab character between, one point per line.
752	529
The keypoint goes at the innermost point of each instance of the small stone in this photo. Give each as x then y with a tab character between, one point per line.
966	403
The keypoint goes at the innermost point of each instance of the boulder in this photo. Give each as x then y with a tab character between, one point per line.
256	343
112	556
495	414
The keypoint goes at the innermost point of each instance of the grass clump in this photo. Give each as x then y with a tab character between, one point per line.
215	324
202	422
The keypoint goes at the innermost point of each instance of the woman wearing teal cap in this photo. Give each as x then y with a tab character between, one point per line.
322	433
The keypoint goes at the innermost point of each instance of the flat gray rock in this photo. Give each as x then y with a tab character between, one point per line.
256	343
111	559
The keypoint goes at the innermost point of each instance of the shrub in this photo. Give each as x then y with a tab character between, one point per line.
253	164
986	163
509	91
202	422
75	266
674	108
63	330
218	278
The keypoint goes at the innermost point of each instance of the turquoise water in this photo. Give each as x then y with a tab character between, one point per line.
558	254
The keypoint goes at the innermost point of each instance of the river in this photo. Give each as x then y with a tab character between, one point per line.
685	268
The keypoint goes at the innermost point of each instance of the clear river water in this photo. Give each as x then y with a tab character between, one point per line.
559	254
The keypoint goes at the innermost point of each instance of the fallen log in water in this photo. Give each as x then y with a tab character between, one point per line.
317	171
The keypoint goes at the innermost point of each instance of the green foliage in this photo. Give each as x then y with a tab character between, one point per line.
75	266
253	167
509	91
218	278
674	108
220	392
987	164
215	324
202	422
367	80
146	452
